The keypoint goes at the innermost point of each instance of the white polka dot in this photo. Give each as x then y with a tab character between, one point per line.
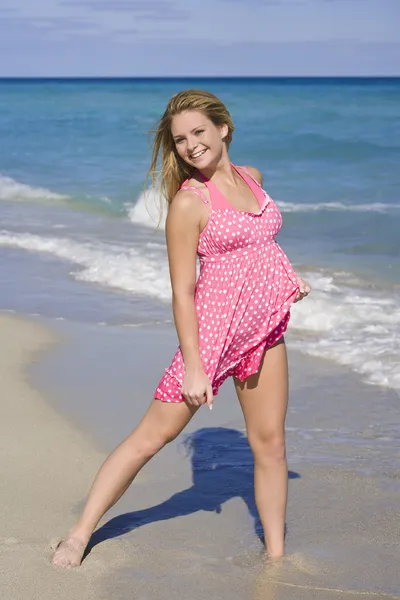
238	253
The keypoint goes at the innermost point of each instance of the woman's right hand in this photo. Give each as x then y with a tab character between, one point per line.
197	388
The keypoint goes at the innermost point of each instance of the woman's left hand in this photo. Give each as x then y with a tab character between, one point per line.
304	289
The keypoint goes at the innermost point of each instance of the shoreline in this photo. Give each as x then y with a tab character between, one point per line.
44	462
90	386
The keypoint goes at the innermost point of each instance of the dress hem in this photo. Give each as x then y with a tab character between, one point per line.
229	371
283	324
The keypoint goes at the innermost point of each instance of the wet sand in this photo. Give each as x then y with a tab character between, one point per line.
45	463
188	526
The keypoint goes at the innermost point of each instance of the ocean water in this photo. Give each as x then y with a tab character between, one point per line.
77	241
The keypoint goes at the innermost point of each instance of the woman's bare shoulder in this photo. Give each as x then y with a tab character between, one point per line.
256	174
183	203
185	207
186	195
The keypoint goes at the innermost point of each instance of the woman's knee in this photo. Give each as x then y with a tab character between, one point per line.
148	443
268	446
160	425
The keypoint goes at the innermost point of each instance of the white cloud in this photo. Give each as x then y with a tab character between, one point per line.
182	36
166	10
49	24
147	19
226	21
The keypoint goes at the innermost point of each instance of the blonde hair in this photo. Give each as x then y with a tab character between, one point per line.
173	169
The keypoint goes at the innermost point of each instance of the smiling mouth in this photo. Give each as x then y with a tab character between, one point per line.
197	154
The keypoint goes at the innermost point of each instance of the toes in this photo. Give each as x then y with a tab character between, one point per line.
54	544
67	554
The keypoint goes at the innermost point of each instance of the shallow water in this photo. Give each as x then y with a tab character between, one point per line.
78	243
190	521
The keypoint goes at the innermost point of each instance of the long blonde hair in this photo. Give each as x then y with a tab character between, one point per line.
173	169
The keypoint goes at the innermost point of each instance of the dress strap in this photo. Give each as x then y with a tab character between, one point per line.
196	191
250	175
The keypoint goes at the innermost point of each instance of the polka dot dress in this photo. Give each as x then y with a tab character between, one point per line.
243	293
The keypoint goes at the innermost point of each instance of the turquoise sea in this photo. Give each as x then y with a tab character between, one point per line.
77	242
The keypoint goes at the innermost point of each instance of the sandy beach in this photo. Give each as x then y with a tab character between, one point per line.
188	526
86	332
45	462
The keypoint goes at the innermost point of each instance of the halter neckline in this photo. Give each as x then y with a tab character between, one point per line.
225	200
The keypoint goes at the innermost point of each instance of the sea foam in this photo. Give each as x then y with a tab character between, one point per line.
12	190
342	319
139	271
146	210
352	326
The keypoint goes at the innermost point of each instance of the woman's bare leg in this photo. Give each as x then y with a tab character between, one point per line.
263	398
160	425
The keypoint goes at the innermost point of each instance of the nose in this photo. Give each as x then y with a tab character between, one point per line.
192	145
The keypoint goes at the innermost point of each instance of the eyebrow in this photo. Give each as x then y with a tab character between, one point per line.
181	134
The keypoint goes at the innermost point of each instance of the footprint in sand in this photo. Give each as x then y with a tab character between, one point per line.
9	541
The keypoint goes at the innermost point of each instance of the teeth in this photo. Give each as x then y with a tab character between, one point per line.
198	154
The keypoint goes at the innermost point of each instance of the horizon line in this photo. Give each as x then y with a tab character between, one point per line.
172	77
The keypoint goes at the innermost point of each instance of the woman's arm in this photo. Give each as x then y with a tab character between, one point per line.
182	232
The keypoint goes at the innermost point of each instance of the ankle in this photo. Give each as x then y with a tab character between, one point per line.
79	534
275	554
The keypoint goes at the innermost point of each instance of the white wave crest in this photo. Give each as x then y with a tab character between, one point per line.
358	330
341	320
12	190
141	272
146	211
335	206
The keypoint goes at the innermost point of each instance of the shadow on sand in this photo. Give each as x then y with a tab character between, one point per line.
222	468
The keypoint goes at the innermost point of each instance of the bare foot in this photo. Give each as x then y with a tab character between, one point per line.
275	558
69	552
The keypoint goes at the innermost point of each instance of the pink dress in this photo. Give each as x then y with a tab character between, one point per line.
243	293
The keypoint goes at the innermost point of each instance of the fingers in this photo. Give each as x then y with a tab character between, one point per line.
192	400
195	399
199	399
304	289
300	296
209	397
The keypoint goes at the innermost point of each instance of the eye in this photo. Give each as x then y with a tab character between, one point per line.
198	131
179	140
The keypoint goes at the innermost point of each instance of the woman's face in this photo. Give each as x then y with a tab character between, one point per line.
197	140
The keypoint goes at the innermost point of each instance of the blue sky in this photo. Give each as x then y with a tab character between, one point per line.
207	37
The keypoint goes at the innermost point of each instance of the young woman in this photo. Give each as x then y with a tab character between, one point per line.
229	323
